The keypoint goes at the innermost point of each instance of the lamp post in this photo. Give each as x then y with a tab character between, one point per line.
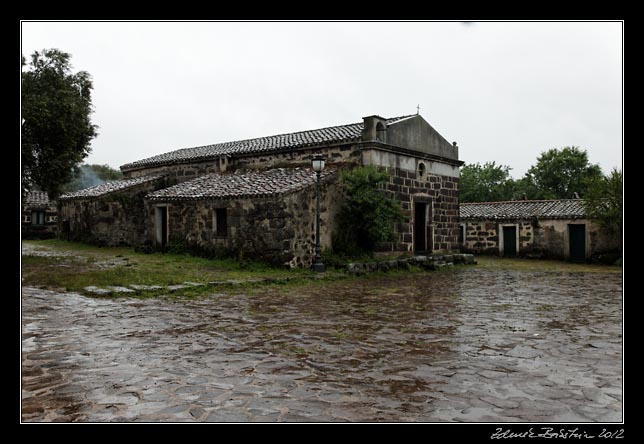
317	164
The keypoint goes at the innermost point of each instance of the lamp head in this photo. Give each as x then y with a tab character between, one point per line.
317	163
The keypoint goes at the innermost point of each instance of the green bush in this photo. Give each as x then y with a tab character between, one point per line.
368	215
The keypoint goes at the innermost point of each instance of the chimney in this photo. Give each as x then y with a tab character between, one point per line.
375	129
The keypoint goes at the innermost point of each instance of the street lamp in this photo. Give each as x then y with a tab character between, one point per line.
317	164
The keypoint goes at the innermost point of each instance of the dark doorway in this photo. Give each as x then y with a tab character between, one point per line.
577	242
420	230
222	222
162	225
509	241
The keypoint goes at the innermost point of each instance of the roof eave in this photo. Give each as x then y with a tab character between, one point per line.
400	150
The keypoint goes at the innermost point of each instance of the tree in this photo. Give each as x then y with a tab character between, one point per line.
487	183
86	175
523	188
368	215
56	125
560	173
604	199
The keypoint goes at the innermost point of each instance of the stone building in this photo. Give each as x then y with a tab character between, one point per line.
39	215
111	213
256	197
537	228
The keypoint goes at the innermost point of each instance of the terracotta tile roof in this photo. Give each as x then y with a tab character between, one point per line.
524	209
37	199
334	134
241	184
109	187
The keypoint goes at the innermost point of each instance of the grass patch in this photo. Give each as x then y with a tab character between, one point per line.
72	266
122	266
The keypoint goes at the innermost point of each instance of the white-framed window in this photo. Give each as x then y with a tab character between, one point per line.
37	218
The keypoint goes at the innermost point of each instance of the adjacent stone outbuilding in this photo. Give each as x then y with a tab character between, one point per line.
39	215
110	214
263	215
539	228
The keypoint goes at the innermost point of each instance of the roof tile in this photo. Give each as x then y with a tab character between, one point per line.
36	198
546	209
241	184
109	187
334	134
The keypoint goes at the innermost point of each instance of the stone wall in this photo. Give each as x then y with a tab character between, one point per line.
279	230
481	237
547	238
414	179
180	172
116	218
441	193
302	157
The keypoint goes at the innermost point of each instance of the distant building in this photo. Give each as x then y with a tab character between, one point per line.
256	197
536	228
39	215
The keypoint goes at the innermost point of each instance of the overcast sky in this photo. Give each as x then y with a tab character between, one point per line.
503	91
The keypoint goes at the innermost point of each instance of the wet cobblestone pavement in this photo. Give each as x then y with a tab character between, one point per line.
463	345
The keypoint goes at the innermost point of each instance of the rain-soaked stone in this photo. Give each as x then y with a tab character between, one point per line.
146	287
117	289
97	290
468	345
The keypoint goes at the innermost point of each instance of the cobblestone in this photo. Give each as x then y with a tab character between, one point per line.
465	345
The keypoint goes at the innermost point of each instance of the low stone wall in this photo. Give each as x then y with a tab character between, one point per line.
426	262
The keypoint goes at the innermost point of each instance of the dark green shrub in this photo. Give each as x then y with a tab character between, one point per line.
368	215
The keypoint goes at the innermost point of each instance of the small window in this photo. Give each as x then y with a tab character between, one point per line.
221	222
381	133
37	218
422	170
